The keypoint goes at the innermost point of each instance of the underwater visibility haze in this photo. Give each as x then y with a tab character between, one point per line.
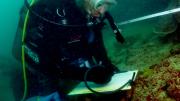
151	46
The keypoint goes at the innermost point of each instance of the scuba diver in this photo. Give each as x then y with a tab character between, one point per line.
64	42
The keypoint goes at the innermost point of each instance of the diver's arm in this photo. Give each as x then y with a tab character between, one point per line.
114	27
98	73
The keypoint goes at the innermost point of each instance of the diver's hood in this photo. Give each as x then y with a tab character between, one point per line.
96	3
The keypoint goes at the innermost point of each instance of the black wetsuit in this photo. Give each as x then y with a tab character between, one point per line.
61	51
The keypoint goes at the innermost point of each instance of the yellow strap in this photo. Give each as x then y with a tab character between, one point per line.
23	53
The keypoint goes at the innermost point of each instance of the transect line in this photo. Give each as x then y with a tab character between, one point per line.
150	16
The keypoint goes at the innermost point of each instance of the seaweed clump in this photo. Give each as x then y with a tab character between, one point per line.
159	82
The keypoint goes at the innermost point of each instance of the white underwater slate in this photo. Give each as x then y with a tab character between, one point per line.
117	81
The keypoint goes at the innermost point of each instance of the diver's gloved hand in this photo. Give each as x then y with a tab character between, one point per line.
52	97
99	74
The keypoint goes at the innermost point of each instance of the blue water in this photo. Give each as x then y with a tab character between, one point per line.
9	17
129	9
